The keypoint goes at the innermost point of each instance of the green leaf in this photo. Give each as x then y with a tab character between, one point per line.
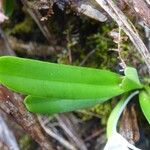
131	80
51	106
8	7
58	88
144	99
42	79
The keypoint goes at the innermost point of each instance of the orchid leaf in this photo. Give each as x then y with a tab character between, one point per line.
51	105
42	79
63	87
131	80
8	6
144	99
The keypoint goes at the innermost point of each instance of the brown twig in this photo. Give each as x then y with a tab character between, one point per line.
87	57
123	64
5	48
141	8
35	14
94	135
70	130
33	48
56	136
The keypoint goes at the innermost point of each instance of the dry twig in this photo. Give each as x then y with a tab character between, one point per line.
70	130
34	13
141	8
32	48
111	8
57	137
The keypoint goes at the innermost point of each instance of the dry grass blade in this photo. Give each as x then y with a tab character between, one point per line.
70	130
56	136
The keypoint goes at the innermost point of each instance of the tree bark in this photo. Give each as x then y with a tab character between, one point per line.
12	104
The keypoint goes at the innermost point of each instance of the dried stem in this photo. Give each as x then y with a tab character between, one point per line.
111	8
141	8
35	14
57	137
123	65
70	130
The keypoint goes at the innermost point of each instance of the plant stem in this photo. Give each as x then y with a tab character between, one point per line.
116	113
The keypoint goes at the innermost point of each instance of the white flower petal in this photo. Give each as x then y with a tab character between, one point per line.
117	142
2	17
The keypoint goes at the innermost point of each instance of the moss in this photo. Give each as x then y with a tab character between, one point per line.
101	111
24	27
26	143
